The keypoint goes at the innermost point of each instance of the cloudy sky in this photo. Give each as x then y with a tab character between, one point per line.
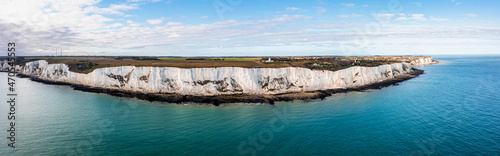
251	27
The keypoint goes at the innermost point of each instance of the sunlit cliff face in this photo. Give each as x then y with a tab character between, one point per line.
217	81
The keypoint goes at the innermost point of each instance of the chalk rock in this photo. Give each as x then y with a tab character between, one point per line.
423	61
217	81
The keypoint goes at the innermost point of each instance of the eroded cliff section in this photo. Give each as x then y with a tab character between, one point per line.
220	85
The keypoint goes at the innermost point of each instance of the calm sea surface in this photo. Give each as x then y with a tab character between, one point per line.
454	108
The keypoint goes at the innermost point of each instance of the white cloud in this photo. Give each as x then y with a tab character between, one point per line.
144	0
349	4
471	15
438	19
343	16
457	3
115	25
112	9
80	33
68	25
335	25
321	10
417	3
286	18
416	17
133	24
155	21
292	9
355	15
204	17
402	18
46	24
384	16
349	16
173	24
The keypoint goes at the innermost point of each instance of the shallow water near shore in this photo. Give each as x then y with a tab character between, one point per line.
451	109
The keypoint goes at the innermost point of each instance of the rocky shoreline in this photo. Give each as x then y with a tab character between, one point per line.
240	98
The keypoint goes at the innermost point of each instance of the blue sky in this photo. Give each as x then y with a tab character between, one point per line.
251	28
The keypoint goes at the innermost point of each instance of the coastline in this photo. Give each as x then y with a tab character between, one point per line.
239	98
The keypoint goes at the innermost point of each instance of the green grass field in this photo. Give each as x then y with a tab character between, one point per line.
88	64
211	59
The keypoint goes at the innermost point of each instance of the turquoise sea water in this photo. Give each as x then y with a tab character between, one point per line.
452	109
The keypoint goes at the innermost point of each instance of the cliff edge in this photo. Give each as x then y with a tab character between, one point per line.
220	81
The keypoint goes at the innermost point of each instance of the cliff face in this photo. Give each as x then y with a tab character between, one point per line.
422	61
215	81
4	66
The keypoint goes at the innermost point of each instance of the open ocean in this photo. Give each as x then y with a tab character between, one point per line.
452	109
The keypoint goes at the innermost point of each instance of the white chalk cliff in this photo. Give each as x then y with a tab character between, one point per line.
216	81
422	61
4	65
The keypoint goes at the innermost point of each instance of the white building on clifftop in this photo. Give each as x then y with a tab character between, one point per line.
269	60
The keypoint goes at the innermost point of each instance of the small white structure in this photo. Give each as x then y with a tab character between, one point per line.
269	60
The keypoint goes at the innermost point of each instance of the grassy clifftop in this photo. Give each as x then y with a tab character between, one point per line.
88	64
